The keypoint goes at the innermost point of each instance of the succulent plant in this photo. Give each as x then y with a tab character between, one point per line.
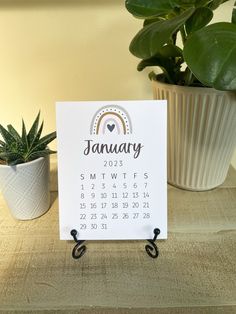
16	149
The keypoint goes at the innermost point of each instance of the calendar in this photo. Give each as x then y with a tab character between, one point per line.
112	169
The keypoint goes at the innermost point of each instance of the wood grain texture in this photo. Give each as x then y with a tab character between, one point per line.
169	310
195	272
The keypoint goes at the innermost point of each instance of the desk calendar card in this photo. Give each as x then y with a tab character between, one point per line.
112	169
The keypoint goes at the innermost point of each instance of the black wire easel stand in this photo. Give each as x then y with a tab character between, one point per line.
79	249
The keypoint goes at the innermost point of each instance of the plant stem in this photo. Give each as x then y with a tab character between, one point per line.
174	37
183	34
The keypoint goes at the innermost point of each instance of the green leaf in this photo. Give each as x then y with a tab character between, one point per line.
202	3
233	20
165	57
149	8
41	153
168	59
188	77
14	133
33	131
151	38
166	67
200	18
9	156
44	141
150	21
210	54
153	61
24	135
2	143
170	51
38	134
8	138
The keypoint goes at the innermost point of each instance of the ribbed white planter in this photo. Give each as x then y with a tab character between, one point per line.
201	134
25	188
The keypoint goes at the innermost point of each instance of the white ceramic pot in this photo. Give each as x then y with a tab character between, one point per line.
25	188
201	134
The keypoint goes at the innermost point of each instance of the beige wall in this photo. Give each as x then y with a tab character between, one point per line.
67	50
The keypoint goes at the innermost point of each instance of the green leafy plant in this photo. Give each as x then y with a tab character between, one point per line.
209	51
16	149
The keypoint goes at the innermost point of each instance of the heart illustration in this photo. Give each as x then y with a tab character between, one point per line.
111	127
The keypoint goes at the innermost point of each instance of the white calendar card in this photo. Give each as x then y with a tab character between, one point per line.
112	169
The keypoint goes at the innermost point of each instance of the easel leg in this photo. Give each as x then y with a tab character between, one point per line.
78	250
151	248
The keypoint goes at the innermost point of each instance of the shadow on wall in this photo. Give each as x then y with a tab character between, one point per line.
53	3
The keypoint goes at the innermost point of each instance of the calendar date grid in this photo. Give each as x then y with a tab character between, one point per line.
115	200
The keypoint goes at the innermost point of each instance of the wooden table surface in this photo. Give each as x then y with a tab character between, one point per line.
195	272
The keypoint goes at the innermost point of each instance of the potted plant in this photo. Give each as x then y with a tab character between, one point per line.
24	170
198	81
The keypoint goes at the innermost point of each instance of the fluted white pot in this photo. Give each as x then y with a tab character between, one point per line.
201	134
25	188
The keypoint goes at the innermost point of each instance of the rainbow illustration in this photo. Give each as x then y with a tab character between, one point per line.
111	119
